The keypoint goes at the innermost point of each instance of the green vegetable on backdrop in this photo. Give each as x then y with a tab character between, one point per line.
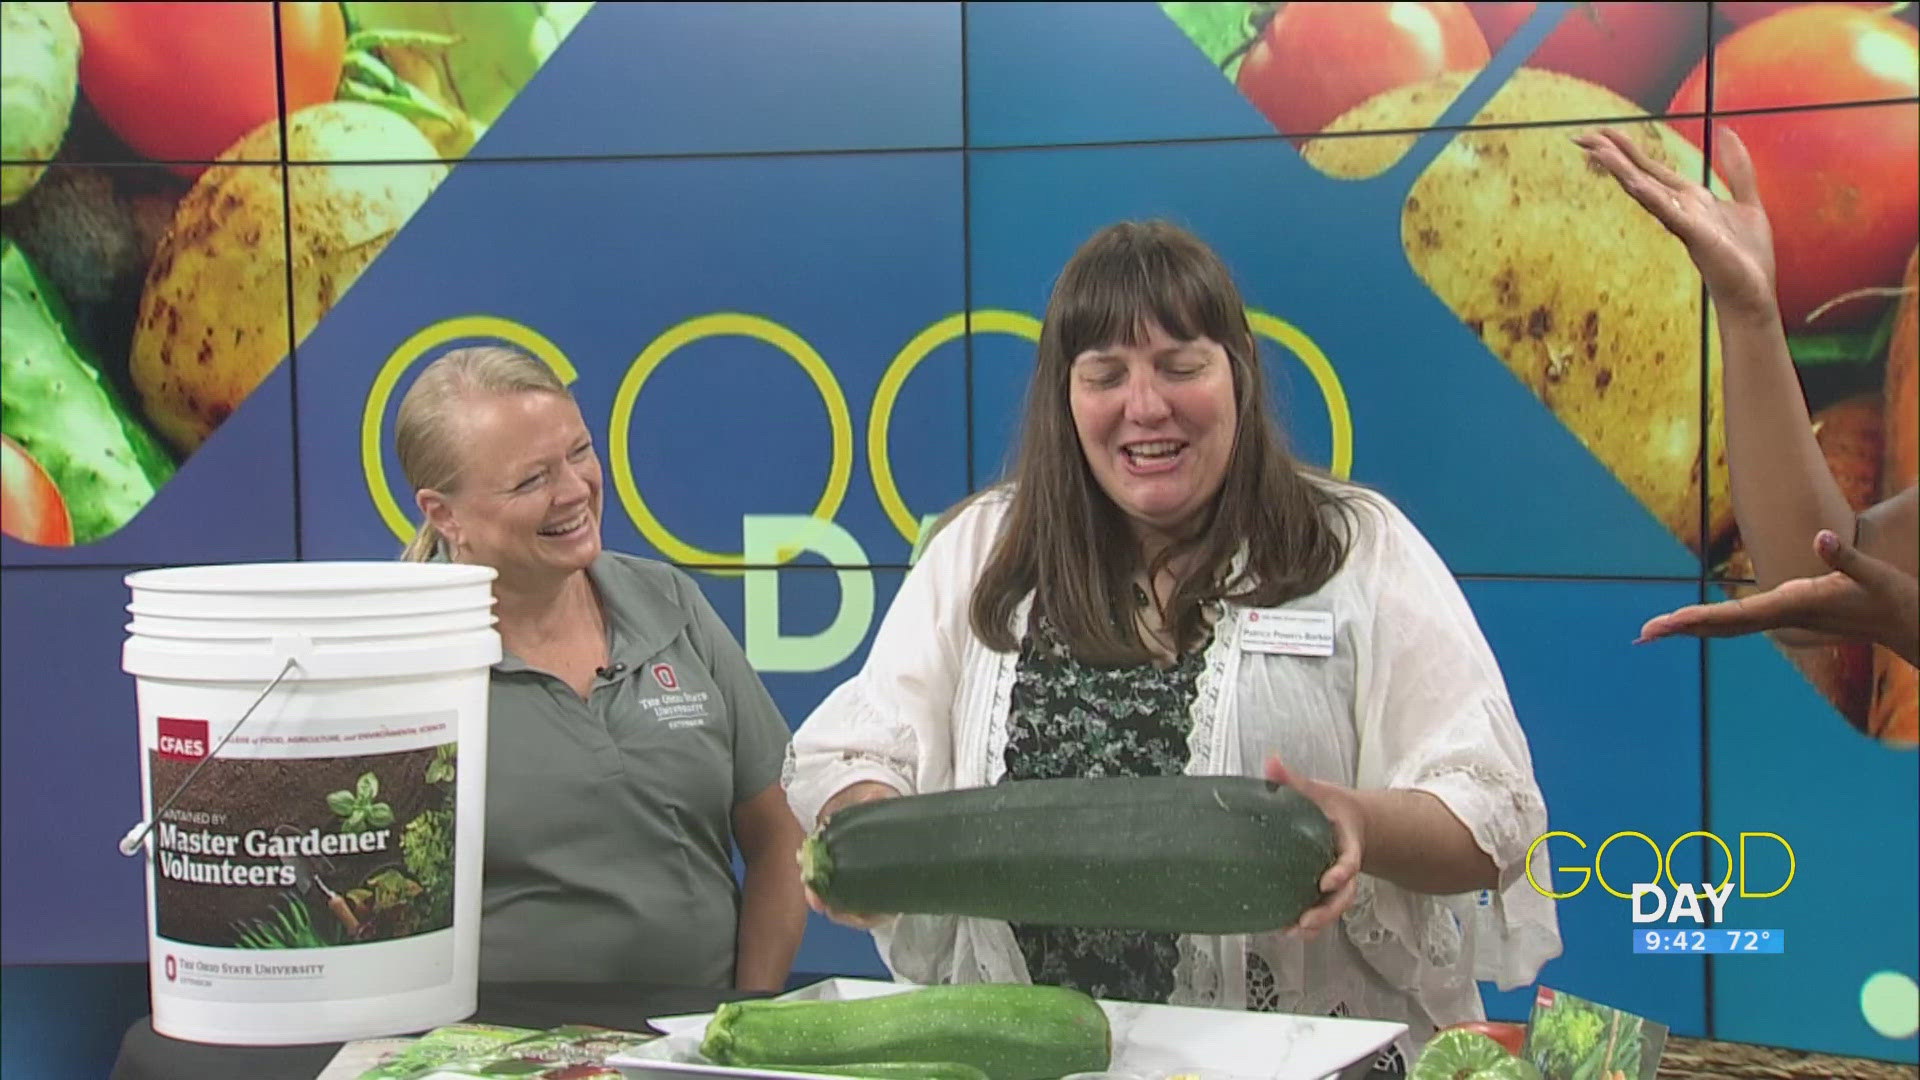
64	413
95	258
452	68
1221	31
39	79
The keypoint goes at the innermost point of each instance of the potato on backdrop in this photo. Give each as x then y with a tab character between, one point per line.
213	318
1583	295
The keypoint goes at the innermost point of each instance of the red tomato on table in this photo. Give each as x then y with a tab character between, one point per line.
1636	50
1315	61
182	82
31	508
1839	184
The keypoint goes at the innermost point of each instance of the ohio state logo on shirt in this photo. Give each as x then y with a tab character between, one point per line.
663	674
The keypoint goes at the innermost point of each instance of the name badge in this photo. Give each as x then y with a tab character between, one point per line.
1287	632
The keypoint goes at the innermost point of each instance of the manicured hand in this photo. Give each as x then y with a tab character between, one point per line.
1729	240
1864	598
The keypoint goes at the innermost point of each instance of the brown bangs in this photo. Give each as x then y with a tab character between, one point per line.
1121	289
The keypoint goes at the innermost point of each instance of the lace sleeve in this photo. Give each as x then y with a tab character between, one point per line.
1495	797
893	720
845	741
1434	715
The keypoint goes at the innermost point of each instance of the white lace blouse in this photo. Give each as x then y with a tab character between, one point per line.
1411	698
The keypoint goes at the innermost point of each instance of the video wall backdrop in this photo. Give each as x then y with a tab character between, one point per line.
791	259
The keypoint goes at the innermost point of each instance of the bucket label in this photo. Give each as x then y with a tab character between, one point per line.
297	840
182	740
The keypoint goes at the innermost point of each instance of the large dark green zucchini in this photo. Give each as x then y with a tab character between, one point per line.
1009	1032
1173	854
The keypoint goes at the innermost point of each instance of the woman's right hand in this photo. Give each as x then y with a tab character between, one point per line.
864	791
1863	599
1730	241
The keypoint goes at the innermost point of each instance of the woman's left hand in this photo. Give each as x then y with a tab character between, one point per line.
1349	836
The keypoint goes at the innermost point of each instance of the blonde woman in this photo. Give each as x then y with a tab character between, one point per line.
632	748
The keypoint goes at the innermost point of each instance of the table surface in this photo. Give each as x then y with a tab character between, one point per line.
147	1055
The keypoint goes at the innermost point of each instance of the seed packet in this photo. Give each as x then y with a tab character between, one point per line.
1571	1038
408	1059
569	1052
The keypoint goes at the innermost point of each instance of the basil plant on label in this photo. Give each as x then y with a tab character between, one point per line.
357	810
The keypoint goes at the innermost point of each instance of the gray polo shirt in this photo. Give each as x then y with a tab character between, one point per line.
609	829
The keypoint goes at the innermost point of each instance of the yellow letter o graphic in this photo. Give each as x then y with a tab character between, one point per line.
686	333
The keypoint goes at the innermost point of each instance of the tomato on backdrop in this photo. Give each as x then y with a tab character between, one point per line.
1740	14
182	82
1315	61
1839	185
1511	1036
1636	50
31	508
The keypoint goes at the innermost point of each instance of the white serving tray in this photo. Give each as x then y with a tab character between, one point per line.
1150	1042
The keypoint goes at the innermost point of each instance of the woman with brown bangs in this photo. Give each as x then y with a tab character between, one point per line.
1099	614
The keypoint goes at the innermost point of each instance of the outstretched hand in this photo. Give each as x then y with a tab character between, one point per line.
1729	240
1864	598
1337	885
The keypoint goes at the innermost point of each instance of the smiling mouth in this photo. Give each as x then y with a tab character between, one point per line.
569	526
1152	455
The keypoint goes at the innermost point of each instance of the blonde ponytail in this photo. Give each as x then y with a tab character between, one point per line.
425	545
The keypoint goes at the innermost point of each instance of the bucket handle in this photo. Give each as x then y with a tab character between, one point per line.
293	648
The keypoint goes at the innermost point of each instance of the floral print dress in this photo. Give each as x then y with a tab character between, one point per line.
1073	719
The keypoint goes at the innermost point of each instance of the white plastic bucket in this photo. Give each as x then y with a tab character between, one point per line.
290	899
